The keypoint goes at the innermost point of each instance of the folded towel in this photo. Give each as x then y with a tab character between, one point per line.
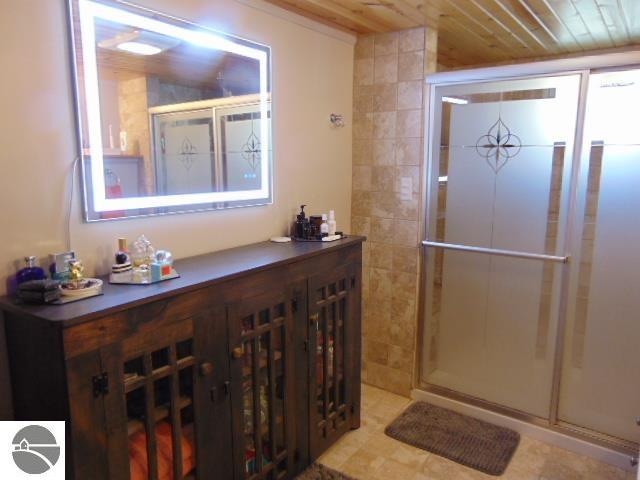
39	291
39	285
39	297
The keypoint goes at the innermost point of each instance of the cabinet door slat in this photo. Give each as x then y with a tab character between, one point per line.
176	425
257	415
272	390
149	419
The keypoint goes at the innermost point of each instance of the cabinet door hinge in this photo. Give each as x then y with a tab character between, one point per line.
100	384
294	305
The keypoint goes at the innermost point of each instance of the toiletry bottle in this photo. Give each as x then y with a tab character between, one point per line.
30	272
332	222
315	222
324	228
301	220
122	255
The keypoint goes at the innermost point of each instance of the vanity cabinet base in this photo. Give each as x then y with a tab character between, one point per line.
247	374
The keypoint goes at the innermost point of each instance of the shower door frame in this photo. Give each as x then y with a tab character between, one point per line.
583	66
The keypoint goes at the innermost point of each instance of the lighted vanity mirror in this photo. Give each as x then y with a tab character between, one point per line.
172	117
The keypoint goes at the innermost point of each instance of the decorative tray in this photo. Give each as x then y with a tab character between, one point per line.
296	239
93	288
122	279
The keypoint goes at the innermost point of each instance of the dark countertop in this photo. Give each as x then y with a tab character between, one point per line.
196	272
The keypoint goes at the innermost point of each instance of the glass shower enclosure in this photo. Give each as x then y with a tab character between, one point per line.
532	265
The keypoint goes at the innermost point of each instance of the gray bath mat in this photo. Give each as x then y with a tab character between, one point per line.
317	471
468	441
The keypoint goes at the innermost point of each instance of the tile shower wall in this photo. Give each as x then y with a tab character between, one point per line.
387	146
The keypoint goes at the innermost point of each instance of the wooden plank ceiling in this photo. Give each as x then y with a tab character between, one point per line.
475	32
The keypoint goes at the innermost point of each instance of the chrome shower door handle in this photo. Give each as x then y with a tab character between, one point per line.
496	251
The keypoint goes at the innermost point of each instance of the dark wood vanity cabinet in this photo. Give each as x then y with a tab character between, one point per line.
246	367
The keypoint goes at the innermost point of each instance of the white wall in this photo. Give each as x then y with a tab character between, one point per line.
312	77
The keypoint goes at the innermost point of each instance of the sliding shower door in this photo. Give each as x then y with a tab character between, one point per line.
499	186
599	388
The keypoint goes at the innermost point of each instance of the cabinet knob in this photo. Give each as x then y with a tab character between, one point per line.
638	421
237	352
206	369
633	461
314	318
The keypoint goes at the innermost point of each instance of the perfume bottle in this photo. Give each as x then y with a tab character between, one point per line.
30	272
122	255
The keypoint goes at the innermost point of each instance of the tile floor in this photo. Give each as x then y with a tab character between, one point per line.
367	453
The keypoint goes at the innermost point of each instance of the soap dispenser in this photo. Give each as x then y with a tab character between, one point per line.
302	224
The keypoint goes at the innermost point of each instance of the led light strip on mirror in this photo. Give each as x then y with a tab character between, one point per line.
89	11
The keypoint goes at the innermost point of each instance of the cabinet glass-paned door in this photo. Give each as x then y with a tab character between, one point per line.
261	386
499	189
330	395
159	380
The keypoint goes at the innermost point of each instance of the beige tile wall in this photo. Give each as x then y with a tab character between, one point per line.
134	119
387	145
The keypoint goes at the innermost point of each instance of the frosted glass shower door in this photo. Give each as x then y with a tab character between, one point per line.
599	388
500	174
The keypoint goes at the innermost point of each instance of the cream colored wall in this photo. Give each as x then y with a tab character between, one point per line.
312	77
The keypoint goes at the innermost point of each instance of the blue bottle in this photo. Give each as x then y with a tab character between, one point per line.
30	272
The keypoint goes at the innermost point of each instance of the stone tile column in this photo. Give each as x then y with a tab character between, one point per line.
388	145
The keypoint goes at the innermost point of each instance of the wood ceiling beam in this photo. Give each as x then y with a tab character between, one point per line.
336	11
449	28
487	31
425	9
397	7
334	22
581	10
491	17
625	19
381	10
473	23
545	11
613	18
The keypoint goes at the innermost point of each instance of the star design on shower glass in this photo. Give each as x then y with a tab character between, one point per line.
498	146
251	151
187	153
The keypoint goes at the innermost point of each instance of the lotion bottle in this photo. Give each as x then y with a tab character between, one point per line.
332	222
324	228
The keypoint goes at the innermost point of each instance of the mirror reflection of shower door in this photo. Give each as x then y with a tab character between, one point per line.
500	178
601	363
240	134
184	152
